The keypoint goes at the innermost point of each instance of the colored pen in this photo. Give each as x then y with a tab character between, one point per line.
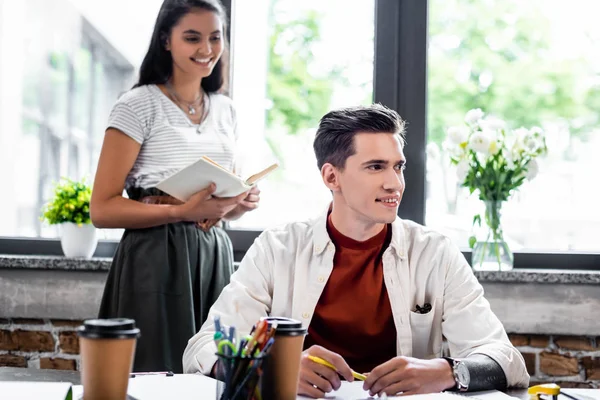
226	348
218	337
326	363
240	385
241	346
252	343
267	347
241	358
242	351
218	324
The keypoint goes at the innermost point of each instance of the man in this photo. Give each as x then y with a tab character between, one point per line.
377	293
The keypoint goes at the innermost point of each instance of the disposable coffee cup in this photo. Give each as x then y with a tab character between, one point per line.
107	348
283	366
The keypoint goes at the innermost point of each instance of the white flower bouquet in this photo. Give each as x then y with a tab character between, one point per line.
495	161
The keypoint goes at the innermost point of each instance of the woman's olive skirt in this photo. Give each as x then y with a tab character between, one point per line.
166	278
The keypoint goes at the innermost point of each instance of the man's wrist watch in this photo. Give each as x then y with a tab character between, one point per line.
462	378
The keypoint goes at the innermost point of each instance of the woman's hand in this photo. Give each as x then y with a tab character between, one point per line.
203	205
249	203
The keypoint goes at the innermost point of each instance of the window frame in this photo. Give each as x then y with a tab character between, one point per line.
399	82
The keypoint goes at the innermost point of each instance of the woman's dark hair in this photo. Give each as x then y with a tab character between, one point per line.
334	140
157	66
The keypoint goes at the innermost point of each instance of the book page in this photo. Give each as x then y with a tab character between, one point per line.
216	164
199	175
252	179
259	175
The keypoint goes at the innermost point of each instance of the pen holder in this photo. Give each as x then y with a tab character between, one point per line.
239	378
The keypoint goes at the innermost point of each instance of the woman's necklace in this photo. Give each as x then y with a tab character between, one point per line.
199	102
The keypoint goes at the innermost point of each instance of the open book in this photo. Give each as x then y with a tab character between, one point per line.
197	176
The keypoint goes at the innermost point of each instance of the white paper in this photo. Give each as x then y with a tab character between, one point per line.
180	386
581	394
348	390
34	390
196	386
487	395
354	391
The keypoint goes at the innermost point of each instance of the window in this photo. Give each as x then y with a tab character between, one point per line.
292	62
58	88
533	63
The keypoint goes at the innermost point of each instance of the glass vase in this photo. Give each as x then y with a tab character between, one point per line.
491	252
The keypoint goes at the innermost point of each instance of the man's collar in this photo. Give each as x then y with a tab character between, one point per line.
321	239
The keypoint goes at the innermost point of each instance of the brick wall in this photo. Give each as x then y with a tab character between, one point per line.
570	361
37	343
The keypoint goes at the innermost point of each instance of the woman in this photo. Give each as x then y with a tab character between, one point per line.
172	261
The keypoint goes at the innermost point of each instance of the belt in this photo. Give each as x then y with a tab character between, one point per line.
205	224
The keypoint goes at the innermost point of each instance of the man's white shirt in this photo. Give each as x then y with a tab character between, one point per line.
286	269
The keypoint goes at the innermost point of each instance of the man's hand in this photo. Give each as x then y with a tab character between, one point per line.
410	376
316	379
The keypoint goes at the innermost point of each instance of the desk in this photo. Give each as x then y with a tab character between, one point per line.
48	375
38	375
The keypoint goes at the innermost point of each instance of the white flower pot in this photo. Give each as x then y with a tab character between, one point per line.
78	241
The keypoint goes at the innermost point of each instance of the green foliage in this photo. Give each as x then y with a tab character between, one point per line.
494	178
496	55
71	203
472	241
299	95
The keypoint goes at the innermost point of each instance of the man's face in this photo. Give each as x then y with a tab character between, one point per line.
370	186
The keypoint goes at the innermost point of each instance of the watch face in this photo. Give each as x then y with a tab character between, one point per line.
462	373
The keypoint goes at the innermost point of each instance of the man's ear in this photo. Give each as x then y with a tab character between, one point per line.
331	178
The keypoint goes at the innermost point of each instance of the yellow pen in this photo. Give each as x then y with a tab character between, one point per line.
326	363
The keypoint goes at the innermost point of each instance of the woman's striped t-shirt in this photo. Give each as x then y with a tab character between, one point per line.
169	140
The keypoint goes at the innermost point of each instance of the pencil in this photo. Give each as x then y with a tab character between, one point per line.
319	360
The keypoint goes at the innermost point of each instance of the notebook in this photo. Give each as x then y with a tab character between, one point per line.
199	175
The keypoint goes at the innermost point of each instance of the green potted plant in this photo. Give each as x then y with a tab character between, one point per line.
70	209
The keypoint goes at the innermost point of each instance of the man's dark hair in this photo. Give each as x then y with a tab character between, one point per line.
334	140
